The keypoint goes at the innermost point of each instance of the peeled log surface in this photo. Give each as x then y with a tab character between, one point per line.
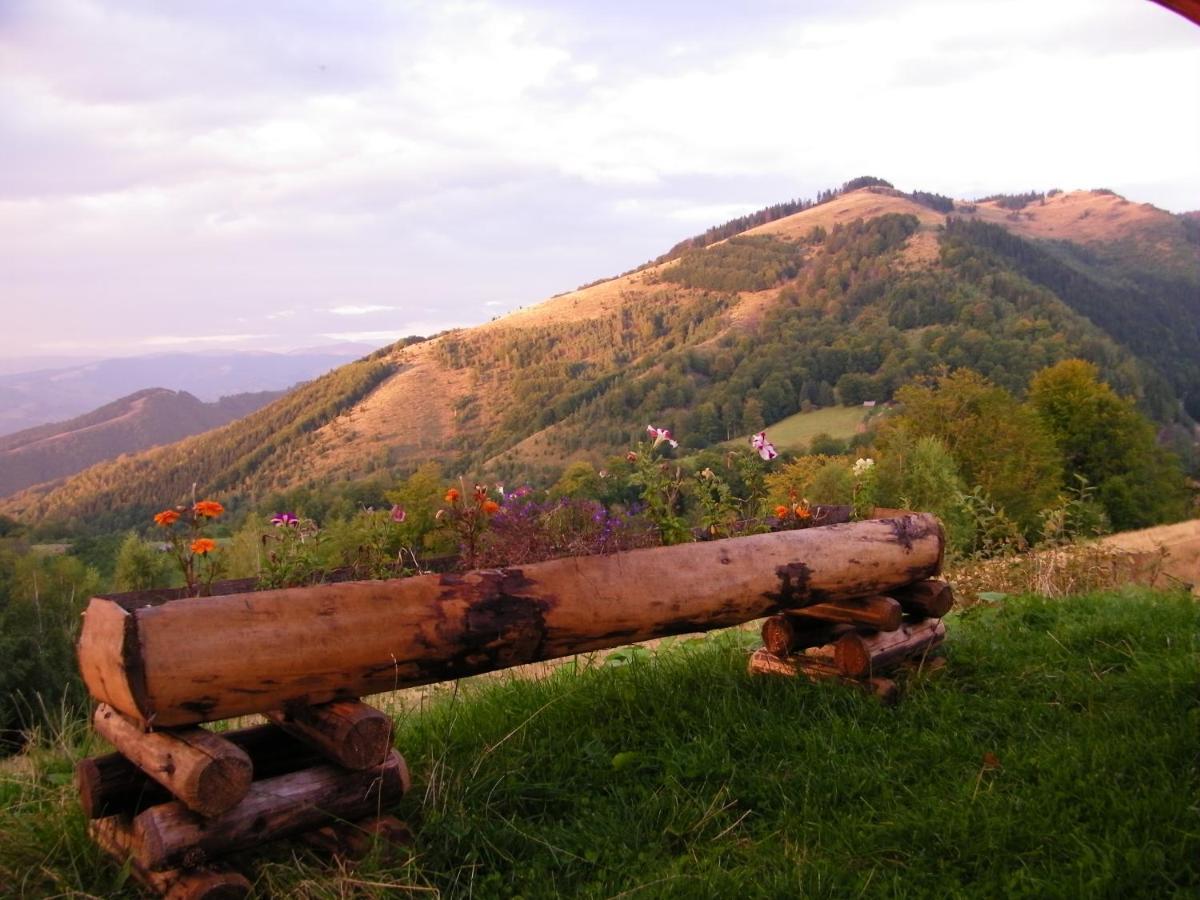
202	770
347	732
110	785
170	836
880	613
860	655
928	599
196	660
213	882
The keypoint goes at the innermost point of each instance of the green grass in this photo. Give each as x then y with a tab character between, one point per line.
677	775
797	431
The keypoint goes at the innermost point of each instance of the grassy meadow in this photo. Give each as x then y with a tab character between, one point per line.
1056	756
797	431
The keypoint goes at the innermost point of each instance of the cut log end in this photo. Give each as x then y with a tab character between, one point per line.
930	599
863	656
348	732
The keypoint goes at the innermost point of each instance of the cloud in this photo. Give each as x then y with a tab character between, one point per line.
360	310
200	163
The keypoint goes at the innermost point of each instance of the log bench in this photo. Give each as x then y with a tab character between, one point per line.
847	600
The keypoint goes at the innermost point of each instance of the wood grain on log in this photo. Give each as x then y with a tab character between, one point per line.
879	613
207	658
861	655
215	881
110	785
171	836
204	771
927	599
348	732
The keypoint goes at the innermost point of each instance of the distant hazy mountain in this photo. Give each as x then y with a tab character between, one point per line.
53	394
137	422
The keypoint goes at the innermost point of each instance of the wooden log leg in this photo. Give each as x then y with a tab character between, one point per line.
354	841
212	882
880	613
207	773
930	599
860	656
349	733
785	634
110	784
171	836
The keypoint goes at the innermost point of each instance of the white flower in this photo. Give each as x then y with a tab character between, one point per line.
863	466
764	447
660	435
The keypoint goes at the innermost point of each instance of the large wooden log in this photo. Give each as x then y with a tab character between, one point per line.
879	613
171	836
195	660
205	772
215	881
861	655
348	732
111	785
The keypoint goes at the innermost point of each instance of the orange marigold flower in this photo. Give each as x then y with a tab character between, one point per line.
209	509
803	512
452	495
166	518
202	546
781	512
490	506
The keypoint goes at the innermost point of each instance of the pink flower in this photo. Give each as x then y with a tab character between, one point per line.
660	435
764	447
398	513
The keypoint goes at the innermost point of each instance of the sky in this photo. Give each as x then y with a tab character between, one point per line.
290	173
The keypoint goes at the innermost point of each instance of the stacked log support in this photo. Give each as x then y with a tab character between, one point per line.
858	641
172	804
848	601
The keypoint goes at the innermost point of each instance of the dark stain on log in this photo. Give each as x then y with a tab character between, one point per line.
134	666
200	707
794	589
908	529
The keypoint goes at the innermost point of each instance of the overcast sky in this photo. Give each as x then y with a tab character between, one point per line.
283	174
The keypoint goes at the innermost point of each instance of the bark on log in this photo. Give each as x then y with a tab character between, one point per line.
195	660
111	785
348	732
860	655
783	634
879	613
171	836
212	882
205	772
926	599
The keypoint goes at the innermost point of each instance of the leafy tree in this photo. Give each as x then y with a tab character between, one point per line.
919	473
141	565
1105	440
999	444
579	481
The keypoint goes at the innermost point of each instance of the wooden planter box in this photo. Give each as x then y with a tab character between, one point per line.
163	660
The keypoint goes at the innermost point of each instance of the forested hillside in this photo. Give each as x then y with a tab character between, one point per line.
845	300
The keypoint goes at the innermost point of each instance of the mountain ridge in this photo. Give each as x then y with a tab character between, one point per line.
839	302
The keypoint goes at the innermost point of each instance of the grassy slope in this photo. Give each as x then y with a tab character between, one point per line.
797	431
681	777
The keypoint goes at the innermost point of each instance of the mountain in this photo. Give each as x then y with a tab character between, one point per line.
145	419
47	394
839	301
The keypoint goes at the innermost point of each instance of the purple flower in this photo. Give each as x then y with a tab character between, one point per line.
660	435
285	518
398	513
764	447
